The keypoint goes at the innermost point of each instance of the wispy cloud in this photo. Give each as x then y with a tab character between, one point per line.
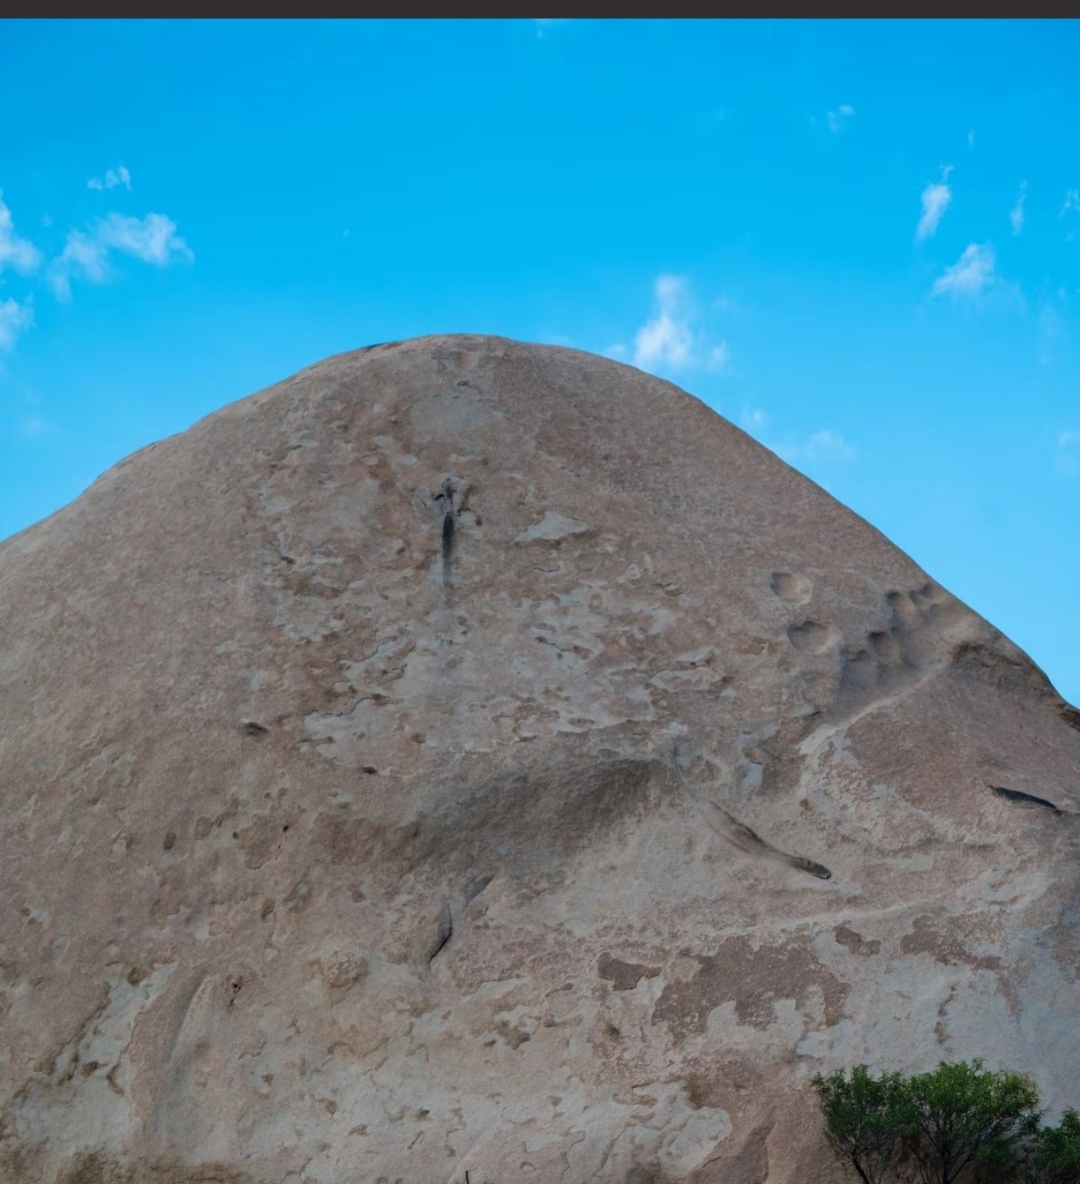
1016	214
542	25
837	119
1051	331
112	178
15	318
15	252
1072	202
936	198
1068	450
83	256
669	340
34	426
970	274
152	239
971	139
719	358
824	444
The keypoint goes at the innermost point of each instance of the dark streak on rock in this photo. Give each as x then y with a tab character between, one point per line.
747	839
476	886
1018	795
443	933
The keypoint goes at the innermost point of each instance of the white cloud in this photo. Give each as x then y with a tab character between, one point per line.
828	445
152	239
112	178
972	272
15	318
753	419
971	139
15	252
936	198
1016	214
1072	202
671	339
667	341
83	256
822	445
840	116
719	359
825	446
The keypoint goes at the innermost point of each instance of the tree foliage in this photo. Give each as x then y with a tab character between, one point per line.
1053	1156
864	1120
965	1115
957	1123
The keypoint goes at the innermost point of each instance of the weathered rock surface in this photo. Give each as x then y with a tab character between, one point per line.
476	757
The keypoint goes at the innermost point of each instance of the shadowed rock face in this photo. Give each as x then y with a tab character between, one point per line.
471	756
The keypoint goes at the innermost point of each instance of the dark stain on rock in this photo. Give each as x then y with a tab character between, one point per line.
94	1168
721	1085
753	979
855	943
1007	670
751	1163
642	1174
515	1037
357	841
260	840
537	815
624	976
926	938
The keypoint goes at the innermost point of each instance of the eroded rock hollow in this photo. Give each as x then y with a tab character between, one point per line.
475	757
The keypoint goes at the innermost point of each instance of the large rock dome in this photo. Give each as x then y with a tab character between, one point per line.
476	757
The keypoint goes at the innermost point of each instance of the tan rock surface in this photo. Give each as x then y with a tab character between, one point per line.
476	757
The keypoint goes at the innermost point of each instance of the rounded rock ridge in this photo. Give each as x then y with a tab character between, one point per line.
469	759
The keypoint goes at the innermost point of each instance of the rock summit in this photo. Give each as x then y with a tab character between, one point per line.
477	760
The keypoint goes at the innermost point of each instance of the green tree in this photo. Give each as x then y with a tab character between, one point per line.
866	1120
962	1115
1054	1153
959	1119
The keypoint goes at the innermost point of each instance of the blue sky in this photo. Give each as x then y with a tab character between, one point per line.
861	241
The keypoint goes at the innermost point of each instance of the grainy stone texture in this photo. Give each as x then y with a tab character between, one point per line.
473	756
